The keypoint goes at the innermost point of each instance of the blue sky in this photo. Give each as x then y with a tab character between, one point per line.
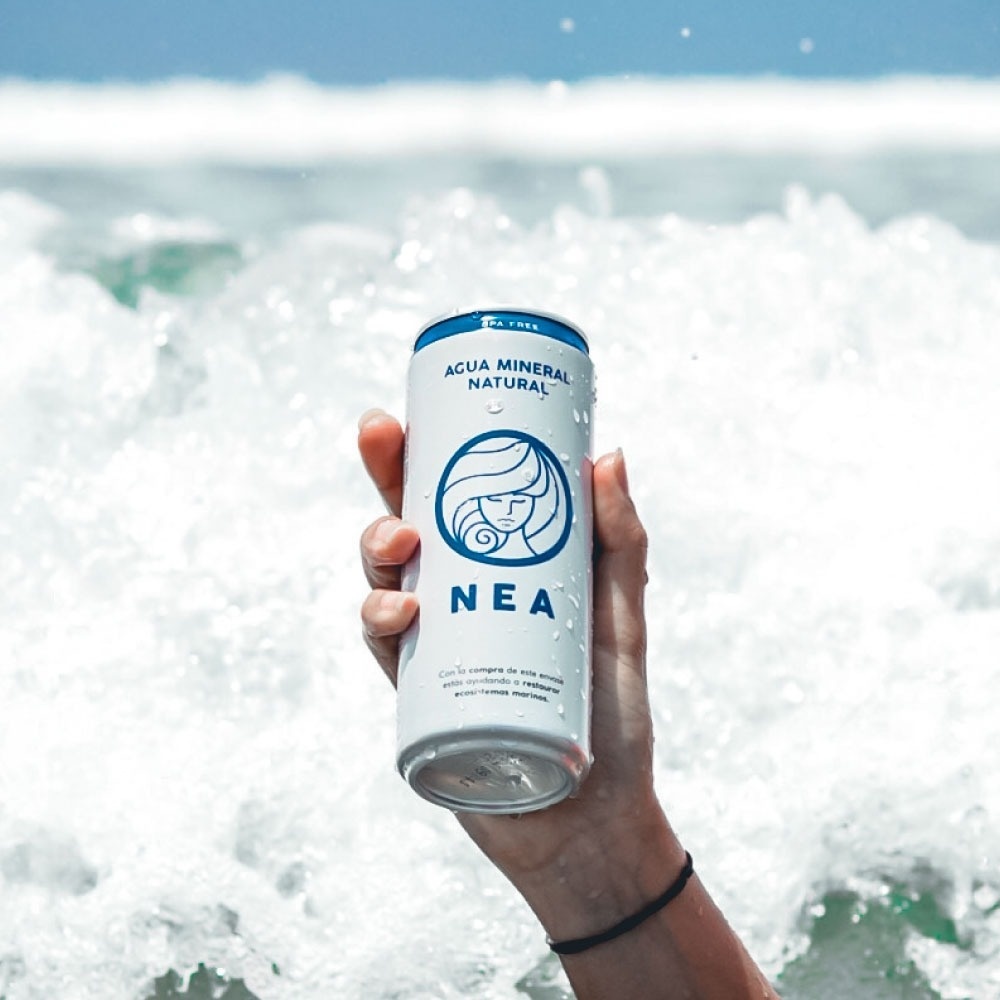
371	41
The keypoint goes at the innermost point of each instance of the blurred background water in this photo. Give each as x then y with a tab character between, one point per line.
792	294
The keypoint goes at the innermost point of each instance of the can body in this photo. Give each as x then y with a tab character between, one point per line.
494	675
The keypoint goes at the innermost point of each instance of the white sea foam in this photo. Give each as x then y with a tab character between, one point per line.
288	120
195	751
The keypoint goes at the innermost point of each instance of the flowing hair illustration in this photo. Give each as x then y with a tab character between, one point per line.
504	499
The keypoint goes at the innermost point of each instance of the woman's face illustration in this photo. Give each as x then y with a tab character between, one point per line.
507	512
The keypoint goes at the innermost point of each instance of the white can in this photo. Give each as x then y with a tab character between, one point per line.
494	675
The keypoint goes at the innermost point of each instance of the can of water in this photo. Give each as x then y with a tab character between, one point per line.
494	674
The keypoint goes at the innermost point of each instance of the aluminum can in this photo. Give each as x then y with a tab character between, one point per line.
494	674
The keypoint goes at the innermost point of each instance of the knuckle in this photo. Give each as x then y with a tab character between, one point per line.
368	535
371	613
638	536
367	624
633	643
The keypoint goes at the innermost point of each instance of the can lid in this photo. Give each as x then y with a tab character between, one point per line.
513	319
494	770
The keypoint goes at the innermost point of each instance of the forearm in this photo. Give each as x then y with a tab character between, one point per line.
685	950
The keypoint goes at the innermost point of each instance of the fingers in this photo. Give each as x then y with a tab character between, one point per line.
385	545
385	615
380	441
387	612
620	568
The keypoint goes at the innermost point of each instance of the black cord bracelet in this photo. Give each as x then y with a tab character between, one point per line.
576	945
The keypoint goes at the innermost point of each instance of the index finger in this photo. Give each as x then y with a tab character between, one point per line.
380	441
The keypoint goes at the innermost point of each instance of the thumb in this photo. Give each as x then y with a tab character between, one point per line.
619	567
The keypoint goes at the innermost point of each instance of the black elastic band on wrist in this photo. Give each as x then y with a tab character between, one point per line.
576	945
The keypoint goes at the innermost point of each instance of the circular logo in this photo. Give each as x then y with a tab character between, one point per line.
504	500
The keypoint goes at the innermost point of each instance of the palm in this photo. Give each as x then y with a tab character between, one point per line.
621	738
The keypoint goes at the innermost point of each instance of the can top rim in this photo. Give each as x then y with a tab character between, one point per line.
511	318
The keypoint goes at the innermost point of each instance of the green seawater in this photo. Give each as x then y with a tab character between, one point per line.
174	268
857	950
203	984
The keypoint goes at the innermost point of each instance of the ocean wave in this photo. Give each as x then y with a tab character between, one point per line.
289	120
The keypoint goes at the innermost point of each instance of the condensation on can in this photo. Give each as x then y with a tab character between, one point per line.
494	676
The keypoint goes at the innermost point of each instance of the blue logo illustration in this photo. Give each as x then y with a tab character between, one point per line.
504	500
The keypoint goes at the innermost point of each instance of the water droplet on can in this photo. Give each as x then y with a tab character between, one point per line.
494	406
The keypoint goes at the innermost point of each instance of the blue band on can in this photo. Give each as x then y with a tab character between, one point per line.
502	319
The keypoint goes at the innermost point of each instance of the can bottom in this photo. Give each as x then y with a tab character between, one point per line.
491	771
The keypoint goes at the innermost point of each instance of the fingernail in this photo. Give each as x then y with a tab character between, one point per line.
371	414
621	471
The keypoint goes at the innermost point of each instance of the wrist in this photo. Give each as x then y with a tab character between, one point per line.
598	880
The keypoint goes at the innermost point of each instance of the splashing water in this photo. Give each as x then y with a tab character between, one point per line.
196	757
